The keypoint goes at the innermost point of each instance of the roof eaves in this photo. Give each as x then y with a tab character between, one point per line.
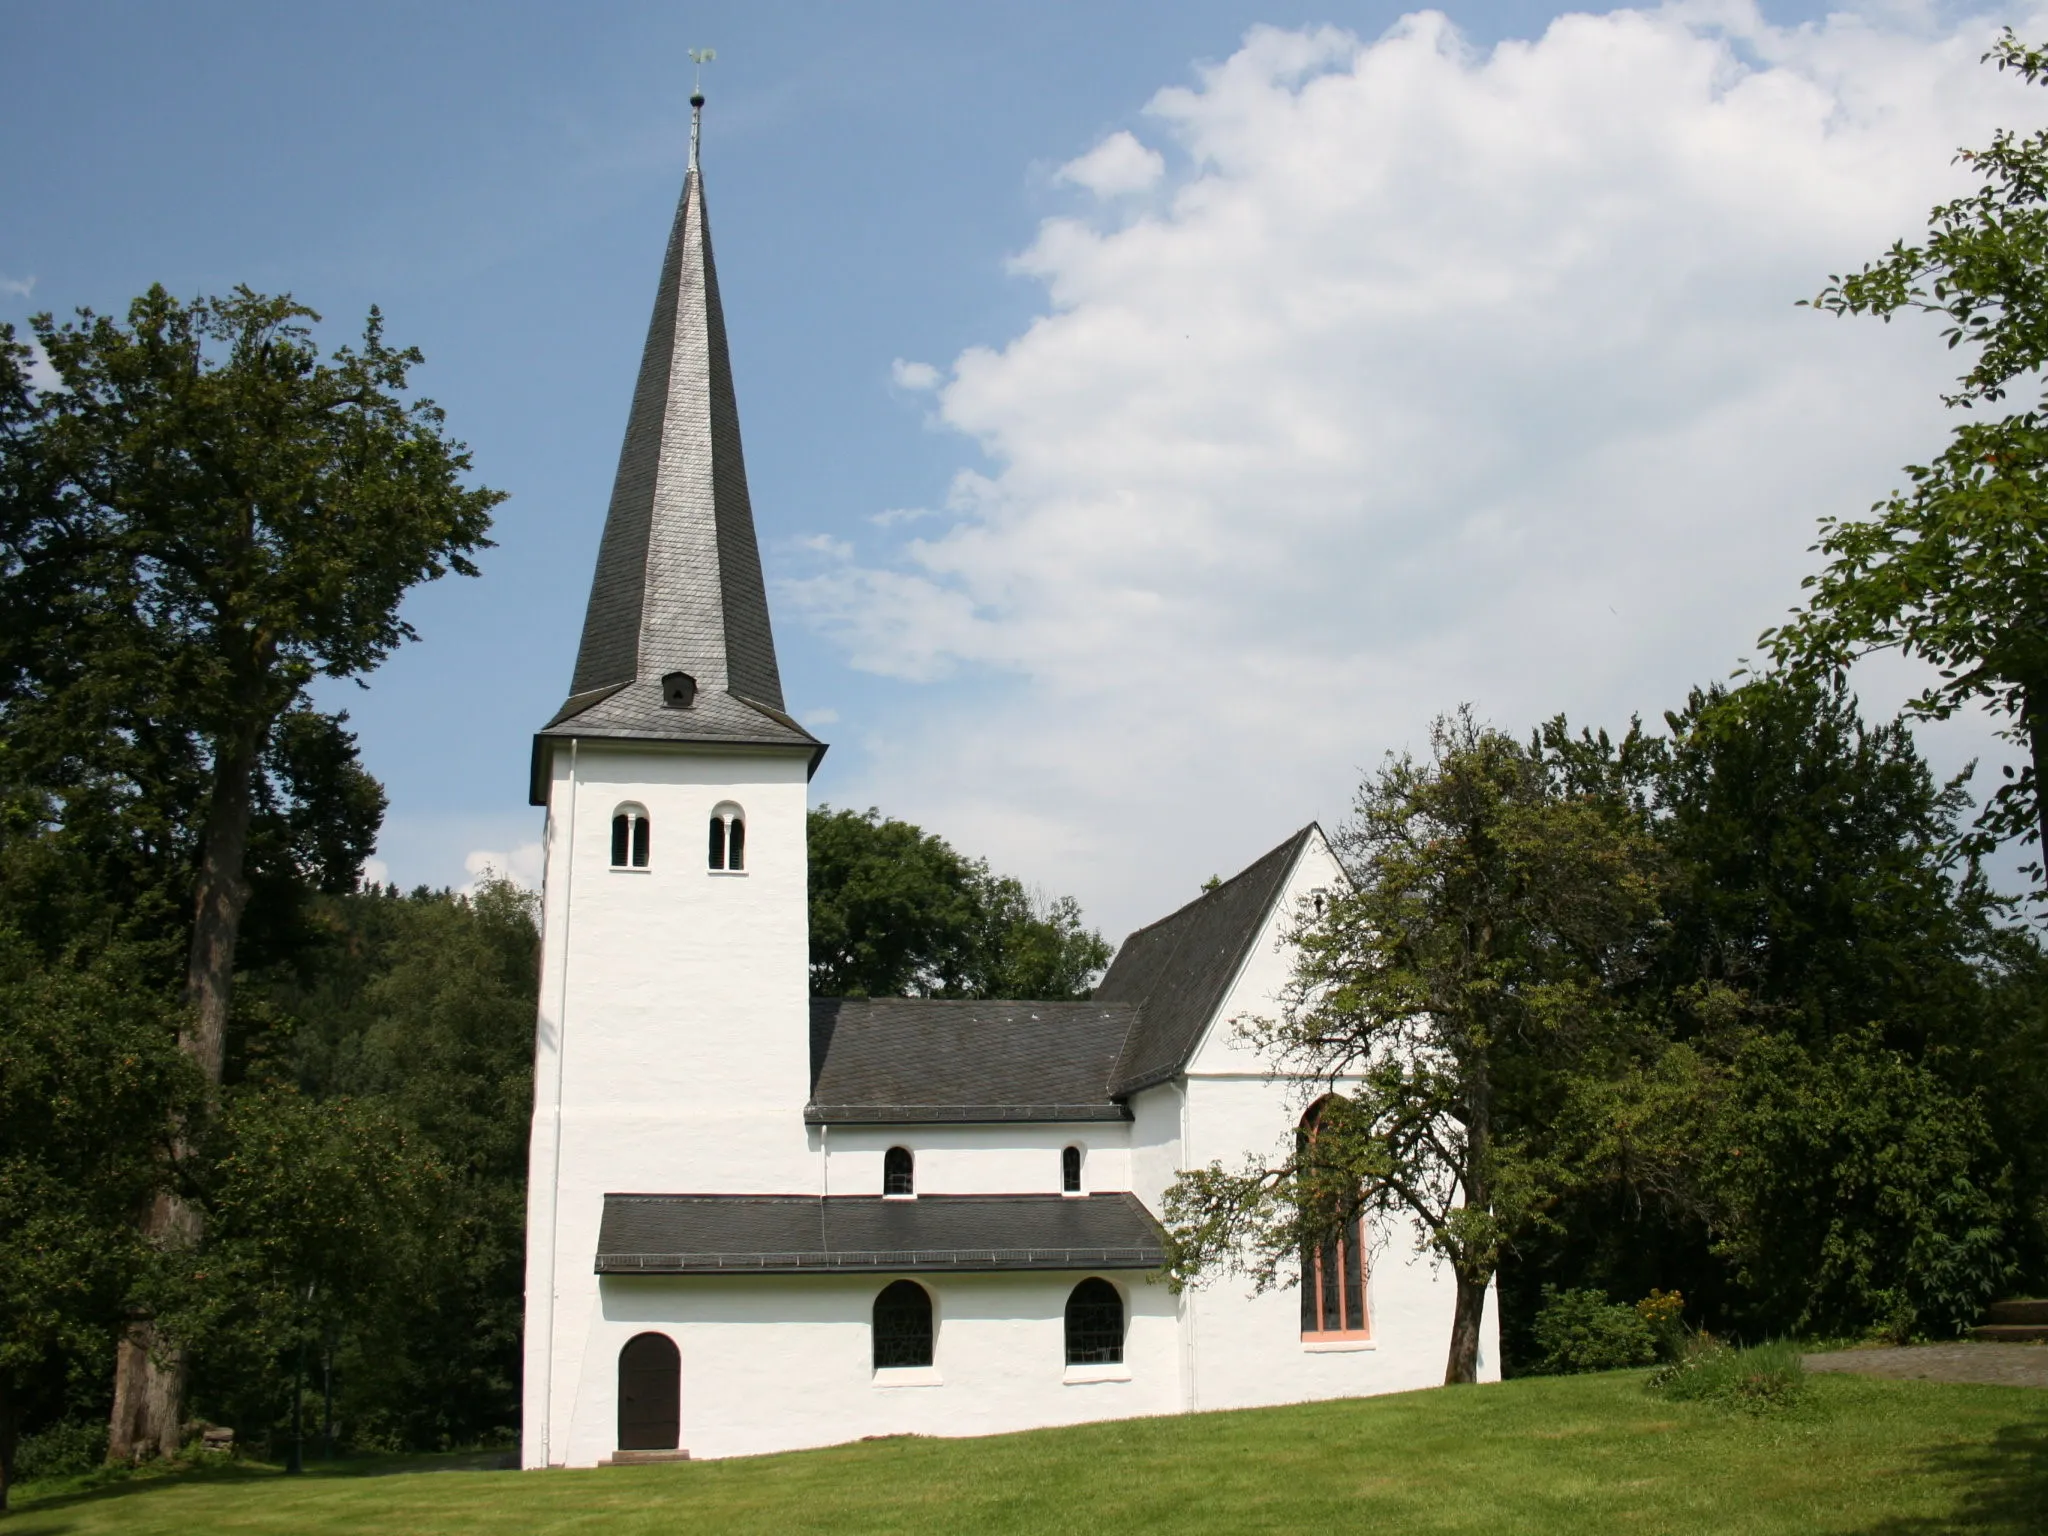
960	1114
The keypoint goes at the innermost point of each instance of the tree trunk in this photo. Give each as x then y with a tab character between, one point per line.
1462	1368
150	1371
7	1441
2035	703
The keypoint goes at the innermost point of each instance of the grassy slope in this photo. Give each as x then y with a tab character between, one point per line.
1578	1454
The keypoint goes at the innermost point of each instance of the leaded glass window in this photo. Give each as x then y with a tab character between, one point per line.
903	1325
897	1169
1095	1324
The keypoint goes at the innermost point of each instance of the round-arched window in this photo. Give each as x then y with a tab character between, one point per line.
898	1172
1070	1170
1095	1324
903	1326
728	838
631	835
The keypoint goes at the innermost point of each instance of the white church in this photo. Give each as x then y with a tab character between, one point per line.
759	1220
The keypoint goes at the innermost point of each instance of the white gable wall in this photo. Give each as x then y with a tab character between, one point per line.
1248	1348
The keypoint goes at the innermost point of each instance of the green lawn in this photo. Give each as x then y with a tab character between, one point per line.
1577	1454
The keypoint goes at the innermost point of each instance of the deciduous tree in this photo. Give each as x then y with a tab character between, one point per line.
1953	570
202	515
1449	997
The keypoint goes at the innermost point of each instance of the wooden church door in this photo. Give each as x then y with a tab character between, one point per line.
650	1393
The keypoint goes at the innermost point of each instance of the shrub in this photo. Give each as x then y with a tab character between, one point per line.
60	1450
1762	1379
1584	1331
1663	1313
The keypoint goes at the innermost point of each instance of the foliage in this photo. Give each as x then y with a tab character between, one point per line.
1454	991
1764	1378
1581	1330
1835	1130
421	1007
63	1449
1954	570
1663	1313
89	1083
1858	1188
895	911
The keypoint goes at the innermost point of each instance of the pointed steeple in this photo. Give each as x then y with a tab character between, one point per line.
678	587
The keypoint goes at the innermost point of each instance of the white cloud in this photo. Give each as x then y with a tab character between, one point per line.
18	287
820	717
376	872
42	373
522	866
919	376
1440	376
1116	166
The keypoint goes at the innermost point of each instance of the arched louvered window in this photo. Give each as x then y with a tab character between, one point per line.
898	1172
650	1393
728	838
1070	1171
903	1326
1332	1271
630	837
1095	1324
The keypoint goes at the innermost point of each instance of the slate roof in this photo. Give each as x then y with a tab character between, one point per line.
803	1234
1179	970
678	584
914	1060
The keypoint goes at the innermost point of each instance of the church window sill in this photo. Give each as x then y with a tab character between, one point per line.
1336	1346
627	869
899	1197
1087	1375
909	1376
728	874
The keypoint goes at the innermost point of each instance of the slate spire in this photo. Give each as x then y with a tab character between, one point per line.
678	585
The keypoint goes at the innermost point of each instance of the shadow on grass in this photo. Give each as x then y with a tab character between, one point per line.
2002	1483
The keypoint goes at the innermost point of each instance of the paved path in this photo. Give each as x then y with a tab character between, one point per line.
1998	1365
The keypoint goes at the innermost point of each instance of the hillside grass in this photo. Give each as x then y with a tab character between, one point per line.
1571	1455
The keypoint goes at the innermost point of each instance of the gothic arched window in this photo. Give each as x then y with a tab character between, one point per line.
1332	1271
728	850
897	1176
1070	1171
650	1393
630	828
1095	1324
903	1325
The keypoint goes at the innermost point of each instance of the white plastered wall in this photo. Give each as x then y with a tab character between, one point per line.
779	1363
1014	1159
672	1050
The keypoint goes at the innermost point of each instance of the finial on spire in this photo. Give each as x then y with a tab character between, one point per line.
699	57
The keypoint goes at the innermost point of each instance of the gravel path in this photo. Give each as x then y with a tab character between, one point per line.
1998	1365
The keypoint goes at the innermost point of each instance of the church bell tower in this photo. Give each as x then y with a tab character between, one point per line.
672	1048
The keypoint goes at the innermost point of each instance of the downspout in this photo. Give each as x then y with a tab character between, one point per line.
1190	1390
547	1417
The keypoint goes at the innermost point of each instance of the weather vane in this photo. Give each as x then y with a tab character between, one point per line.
699	57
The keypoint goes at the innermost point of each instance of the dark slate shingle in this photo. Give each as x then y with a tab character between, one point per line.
1179	970
917	1060
678	584
804	1234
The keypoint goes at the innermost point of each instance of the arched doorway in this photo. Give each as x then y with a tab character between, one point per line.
650	1393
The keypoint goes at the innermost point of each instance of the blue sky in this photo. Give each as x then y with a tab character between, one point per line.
886	185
